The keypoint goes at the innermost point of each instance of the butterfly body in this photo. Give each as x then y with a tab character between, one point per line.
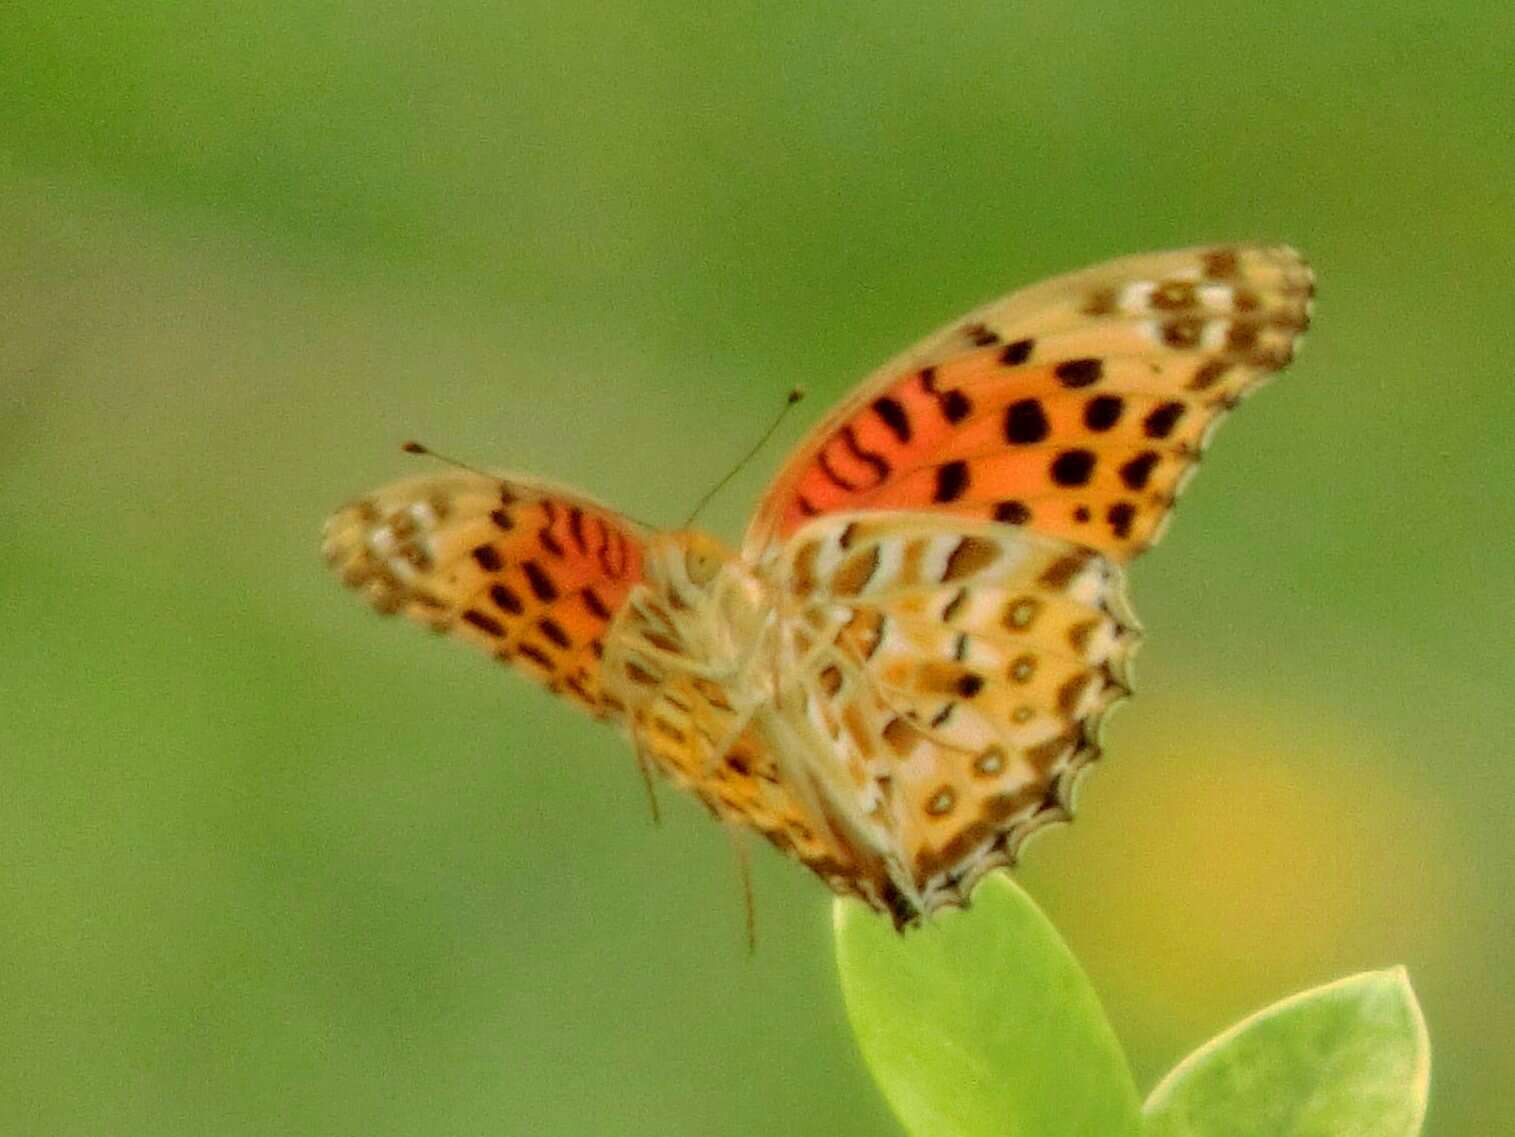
902	674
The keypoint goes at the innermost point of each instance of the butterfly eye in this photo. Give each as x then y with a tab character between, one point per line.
701	565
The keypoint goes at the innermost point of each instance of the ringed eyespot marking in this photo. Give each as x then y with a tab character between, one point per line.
990	762
941	802
1020	614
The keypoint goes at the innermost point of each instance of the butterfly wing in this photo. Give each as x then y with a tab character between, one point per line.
530	572
1075	407
967	667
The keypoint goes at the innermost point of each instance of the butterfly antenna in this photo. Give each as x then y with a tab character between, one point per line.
413	447
794	396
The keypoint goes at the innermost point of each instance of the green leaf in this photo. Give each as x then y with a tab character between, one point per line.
981	1024
1350	1059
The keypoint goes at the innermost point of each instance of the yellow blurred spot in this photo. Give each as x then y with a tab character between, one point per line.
1222	862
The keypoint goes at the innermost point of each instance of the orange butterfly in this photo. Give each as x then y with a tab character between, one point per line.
902	673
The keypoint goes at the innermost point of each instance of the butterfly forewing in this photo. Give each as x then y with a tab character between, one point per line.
1076	407
529	572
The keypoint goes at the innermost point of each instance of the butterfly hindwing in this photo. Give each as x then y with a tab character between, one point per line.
970	665
1076	407
529	572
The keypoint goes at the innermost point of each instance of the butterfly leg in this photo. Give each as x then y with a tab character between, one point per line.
744	872
644	765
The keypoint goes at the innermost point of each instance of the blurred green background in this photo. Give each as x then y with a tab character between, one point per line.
269	865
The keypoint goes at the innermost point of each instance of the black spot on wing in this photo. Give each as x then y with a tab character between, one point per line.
506	600
595	605
1017	353
1163	418
879	466
542	586
1073	467
1026	422
1012	512
824	461
956	406
951	481
1138	470
1120	515
1103	411
1079	372
553	631
484	622
892	413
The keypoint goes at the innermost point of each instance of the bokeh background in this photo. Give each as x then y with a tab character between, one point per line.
269	865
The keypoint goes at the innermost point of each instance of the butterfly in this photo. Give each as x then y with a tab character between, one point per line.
903	671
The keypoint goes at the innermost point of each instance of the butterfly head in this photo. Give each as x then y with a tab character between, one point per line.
706	585
686	564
